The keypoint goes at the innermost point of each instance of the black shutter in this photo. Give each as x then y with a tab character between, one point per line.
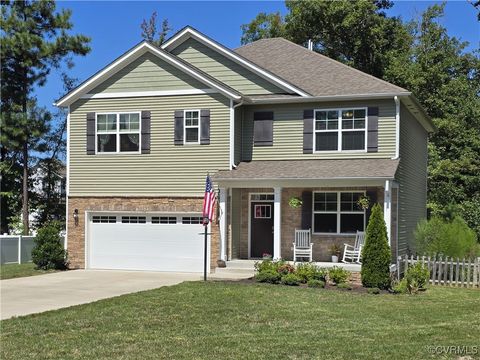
263	128
372	136
308	131
91	133
372	195
178	132
205	127
307	210
146	132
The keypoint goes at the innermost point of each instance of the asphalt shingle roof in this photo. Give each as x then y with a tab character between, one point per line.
314	73
311	169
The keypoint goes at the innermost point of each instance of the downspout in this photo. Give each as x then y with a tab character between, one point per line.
397	127
232	133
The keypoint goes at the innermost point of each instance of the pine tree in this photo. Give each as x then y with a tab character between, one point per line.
376	254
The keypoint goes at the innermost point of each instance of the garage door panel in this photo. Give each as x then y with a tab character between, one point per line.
157	247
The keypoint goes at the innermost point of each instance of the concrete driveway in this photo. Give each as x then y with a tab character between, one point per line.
40	293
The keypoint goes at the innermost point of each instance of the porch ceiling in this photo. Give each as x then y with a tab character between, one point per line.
337	170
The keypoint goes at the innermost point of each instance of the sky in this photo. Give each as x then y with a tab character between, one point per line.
114	27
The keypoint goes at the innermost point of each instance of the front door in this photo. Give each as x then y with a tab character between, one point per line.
261	229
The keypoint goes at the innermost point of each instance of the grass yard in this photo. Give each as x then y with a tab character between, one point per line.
10	271
227	320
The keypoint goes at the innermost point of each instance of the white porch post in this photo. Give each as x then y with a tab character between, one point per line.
223	222
387	208
277	216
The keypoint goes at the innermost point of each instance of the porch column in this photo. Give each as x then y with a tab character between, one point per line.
277	216
387	207
223	223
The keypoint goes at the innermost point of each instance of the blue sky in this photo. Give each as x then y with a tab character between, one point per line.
114	27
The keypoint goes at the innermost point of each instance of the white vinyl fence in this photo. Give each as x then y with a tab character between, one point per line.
446	271
16	249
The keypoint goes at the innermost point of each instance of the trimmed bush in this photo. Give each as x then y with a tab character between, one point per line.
344	286
308	271
286	269
376	254
48	252
453	238
374	291
268	276
315	283
290	279
268	264
338	275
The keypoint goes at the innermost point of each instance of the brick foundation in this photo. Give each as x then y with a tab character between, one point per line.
76	234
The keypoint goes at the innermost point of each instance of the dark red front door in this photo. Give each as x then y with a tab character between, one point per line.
261	229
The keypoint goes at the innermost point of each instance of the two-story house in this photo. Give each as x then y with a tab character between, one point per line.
270	121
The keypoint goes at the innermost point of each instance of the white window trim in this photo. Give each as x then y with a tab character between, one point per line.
338	212
117	133
185	142
339	131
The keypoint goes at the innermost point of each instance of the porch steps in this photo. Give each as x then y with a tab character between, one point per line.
235	270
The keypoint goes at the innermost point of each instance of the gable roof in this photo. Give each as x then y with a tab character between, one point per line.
189	32
315	73
133	54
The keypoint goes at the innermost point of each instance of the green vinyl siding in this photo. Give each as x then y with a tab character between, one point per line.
148	73
412	179
238	135
288	132
223	69
168	170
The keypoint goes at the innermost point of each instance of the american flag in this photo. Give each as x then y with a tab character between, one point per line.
209	200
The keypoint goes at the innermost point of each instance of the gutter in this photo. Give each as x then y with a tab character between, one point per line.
232	132
397	127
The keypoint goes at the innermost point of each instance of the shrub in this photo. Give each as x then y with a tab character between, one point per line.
268	276
344	286
400	287
308	271
290	279
376	254
374	291
268	264
416	279
313	283
48	252
286	269
338	275
453	238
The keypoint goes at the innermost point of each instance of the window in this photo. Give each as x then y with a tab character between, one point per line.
263	211
118	132
337	212
134	219
164	220
341	129
192	220
262	197
104	219
192	127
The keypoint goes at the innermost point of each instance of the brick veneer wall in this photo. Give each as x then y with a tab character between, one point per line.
292	219
76	234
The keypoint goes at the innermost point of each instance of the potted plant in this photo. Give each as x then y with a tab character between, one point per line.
295	202
335	251
363	202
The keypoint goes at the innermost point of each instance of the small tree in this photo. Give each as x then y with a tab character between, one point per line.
48	252
376	254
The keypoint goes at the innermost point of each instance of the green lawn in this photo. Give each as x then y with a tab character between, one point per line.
10	271
226	320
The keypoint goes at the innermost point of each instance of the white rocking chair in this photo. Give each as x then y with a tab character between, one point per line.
354	253
302	246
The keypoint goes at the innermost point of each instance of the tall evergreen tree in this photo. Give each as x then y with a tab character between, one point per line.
35	40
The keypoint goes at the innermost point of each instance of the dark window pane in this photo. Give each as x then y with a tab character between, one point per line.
325	223
333	114
347	124
320	115
129	142
350	223
359	113
332	125
191	135
107	143
353	140
320	125
359	124
326	141
347	114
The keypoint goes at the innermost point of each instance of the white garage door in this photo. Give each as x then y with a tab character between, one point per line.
146	242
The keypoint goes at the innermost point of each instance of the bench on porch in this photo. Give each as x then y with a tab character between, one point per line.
302	246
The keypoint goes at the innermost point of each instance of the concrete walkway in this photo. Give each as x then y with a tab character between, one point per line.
40	293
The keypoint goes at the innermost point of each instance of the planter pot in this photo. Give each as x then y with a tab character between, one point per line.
221	264
334	259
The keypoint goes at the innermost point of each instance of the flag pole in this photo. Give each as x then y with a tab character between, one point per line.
205	225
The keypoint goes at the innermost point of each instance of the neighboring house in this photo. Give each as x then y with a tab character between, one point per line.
269	121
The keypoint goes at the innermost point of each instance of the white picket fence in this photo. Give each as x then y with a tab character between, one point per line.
448	272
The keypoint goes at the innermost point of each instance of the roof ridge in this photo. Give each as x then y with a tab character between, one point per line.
336	62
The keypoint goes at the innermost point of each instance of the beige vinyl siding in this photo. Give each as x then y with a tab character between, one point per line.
148	73
223	69
288	132
168	170
412	179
